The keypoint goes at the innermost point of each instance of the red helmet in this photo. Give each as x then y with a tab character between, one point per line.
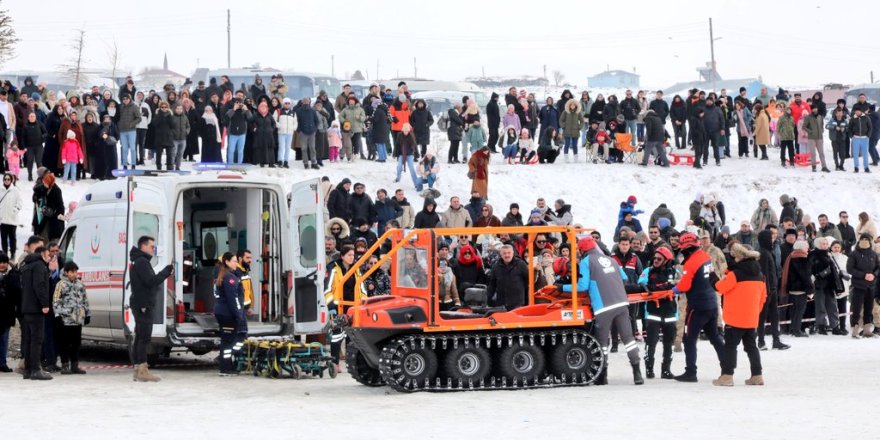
664	252
560	266
586	244
688	240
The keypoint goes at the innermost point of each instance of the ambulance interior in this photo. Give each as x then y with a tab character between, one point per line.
215	220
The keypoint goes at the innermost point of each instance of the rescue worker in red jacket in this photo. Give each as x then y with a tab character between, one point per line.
744	293
702	305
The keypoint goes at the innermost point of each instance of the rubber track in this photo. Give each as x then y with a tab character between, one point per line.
492	341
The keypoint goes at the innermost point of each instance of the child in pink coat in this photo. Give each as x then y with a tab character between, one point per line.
71	155
334	138
13	158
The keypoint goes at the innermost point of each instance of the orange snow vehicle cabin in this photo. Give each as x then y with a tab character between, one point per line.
404	340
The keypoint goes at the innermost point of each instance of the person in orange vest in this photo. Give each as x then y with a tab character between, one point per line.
744	293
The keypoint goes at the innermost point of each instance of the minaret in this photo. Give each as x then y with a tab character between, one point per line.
165	63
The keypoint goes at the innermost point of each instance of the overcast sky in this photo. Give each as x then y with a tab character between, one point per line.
792	43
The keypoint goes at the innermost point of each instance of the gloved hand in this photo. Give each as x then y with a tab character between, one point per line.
87	320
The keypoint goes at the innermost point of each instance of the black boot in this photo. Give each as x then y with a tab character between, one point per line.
649	367
75	369
637	374
665	372
65	368
687	376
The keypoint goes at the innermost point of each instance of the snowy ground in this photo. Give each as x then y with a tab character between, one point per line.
821	388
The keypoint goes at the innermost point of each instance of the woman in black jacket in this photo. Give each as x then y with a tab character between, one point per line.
49	204
864	267
678	114
32	137
264	138
825	278
797	281
421	121
381	129
163	141
192	138
597	111
109	136
94	146
454	132
52	149
468	269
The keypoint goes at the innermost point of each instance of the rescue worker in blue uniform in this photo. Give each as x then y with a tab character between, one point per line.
599	275
229	311
661	315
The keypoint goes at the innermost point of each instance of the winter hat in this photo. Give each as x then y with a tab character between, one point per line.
536	213
744	252
801	245
791	231
70	134
783	199
514	205
725	229
663	223
442	245
286	101
358	222
817	242
35	96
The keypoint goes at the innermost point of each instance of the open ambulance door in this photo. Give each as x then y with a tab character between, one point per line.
306	234
147	215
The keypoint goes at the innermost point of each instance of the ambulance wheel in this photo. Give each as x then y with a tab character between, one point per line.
521	362
467	365
331	369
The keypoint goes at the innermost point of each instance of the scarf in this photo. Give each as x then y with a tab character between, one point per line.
474	259
783	291
211	119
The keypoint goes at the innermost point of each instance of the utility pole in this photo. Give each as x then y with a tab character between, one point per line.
377	70
545	71
484	71
333	66
712	52
872	77
415	68
228	39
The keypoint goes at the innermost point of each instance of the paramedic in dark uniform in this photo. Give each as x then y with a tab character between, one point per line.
243	271
599	275
697	281
229	312
662	314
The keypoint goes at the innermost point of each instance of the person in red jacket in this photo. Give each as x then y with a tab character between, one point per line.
702	305
744	293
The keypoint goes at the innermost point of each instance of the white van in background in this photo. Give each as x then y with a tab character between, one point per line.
195	219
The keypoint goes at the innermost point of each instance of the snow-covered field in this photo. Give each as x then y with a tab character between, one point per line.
822	388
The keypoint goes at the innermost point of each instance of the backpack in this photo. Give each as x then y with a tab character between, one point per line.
443	122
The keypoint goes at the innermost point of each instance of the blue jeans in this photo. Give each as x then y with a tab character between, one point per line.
860	148
509	151
284	141
631	127
640	130
381	153
408	160
70	171
4	345
571	141
584	136
128	139
429	180
235	148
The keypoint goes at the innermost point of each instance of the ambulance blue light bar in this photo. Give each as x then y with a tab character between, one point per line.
220	166
127	173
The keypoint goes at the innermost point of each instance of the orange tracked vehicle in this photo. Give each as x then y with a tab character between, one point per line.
404	340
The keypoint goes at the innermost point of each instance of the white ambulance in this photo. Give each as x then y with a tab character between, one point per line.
195	218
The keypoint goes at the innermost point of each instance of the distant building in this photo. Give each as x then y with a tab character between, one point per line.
614	79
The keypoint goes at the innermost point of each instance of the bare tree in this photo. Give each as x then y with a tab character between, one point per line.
558	77
8	38
113	58
74	67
